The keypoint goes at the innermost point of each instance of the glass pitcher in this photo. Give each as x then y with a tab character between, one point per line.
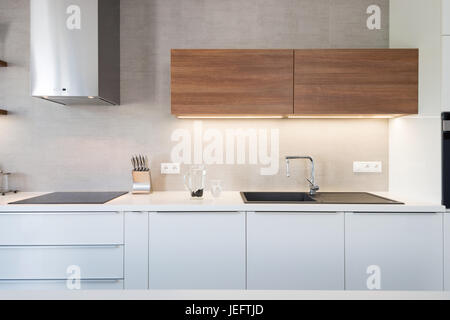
195	180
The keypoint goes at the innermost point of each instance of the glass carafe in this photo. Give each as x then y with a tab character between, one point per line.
194	181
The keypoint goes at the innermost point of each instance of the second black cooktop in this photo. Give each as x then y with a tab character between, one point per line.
73	198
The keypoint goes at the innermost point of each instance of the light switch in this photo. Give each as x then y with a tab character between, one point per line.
367	166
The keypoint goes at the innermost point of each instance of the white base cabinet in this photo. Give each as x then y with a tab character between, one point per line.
295	251
447	251
61	228
197	250
226	250
57	262
41	250
136	250
393	251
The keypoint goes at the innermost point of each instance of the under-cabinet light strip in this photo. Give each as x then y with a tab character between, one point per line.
386	116
230	117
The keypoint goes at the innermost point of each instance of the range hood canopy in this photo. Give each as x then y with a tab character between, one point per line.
75	51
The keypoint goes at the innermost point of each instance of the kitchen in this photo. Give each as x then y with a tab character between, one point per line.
311	128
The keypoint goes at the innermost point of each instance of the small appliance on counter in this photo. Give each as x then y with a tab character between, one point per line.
142	180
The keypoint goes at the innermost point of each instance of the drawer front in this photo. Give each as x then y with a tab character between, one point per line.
61	228
59	285
94	262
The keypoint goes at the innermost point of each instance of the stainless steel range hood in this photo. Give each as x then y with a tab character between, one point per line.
75	51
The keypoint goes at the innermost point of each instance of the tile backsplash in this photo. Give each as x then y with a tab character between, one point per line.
52	147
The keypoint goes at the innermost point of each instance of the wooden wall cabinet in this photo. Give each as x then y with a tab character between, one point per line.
232	82
307	82
356	82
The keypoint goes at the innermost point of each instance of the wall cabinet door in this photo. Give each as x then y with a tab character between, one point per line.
232	82
445	17
445	73
298	251
356	81
197	250
391	251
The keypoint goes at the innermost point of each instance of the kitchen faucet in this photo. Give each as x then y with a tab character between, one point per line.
313	187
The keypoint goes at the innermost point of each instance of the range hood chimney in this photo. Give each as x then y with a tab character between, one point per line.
75	51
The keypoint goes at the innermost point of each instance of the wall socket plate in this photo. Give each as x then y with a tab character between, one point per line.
367	166
170	168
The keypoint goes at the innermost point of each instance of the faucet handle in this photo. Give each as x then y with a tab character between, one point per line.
313	186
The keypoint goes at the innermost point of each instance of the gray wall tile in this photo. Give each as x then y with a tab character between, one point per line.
52	147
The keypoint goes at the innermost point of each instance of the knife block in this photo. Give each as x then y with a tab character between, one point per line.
142	182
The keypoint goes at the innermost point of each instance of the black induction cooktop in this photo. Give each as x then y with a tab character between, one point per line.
72	198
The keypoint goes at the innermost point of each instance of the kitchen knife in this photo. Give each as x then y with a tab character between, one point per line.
147	166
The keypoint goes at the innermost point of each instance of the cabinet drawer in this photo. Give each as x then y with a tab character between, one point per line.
61	228
51	262
59	285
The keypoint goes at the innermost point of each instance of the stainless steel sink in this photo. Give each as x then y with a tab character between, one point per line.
268	197
318	198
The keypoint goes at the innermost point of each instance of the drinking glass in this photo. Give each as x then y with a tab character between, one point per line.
216	188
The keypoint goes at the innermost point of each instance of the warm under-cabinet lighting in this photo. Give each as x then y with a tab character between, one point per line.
230	117
349	116
368	116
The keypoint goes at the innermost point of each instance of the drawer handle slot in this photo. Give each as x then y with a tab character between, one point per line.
115	246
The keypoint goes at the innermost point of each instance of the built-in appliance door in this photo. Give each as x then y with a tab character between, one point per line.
446	159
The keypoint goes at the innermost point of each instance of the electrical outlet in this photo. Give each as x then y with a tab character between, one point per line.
367	166
170	168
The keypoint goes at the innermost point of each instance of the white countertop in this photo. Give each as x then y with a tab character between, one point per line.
228	201
259	295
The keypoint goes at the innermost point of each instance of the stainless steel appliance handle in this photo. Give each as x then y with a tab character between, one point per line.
446	125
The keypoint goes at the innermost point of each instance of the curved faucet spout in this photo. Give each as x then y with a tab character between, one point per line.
313	187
